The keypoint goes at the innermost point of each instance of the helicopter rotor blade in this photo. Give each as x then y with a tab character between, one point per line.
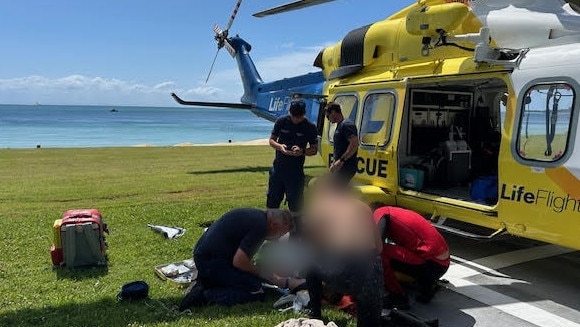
212	63
221	37
230	48
295	5
233	16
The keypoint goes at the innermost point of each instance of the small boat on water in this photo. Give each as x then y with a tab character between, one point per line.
113	110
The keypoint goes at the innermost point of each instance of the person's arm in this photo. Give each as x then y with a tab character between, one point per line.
311	150
273	141
351	149
243	262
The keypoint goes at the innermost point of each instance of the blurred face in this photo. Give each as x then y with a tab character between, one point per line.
297	119
277	230
332	116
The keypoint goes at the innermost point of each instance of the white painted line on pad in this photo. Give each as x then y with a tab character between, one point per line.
461	269
509	305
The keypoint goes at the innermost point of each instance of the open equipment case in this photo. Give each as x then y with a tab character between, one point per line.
180	274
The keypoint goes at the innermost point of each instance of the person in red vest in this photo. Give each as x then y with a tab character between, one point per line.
412	247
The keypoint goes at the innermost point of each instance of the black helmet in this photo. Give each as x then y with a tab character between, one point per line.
297	108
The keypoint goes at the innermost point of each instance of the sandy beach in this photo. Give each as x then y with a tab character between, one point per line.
252	142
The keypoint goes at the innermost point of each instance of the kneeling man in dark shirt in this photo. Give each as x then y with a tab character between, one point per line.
223	257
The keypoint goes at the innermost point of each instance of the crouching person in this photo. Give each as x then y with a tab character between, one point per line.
415	248
223	257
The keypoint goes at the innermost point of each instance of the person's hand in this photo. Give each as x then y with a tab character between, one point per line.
279	281
297	151
284	149
287	282
267	276
336	165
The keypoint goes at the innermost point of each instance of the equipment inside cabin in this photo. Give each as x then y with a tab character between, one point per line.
451	139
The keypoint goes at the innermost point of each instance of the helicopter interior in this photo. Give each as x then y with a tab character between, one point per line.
452	133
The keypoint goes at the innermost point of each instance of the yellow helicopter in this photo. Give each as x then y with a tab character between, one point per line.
466	112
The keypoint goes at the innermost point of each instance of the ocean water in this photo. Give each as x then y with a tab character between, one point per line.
51	126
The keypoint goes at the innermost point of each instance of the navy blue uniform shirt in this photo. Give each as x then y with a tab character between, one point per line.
292	134
244	228
343	132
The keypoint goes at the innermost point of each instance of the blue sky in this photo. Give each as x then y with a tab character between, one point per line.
136	52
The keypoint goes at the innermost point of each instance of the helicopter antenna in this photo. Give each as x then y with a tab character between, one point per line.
221	36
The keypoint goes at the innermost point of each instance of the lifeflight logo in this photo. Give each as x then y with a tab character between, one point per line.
556	202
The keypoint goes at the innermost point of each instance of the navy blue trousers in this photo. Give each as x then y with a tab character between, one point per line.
285	182
226	285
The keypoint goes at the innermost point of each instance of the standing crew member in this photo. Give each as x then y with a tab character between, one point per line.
293	137
345	141
413	247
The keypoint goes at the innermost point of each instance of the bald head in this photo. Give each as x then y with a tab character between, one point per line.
280	222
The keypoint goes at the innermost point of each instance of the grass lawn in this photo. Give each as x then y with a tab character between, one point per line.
180	186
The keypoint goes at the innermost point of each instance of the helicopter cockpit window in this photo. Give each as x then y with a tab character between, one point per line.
377	118
545	122
349	106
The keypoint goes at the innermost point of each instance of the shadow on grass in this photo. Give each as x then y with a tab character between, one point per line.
206	224
80	273
258	169
111	313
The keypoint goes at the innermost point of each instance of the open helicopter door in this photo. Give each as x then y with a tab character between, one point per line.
449	151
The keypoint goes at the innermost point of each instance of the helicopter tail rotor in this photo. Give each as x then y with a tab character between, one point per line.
221	37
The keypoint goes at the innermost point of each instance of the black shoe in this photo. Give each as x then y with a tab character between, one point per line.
427	293
313	313
193	297
404	318
396	301
424	298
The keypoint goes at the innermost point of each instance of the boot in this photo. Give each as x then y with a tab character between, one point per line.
193	297
426	293
396	301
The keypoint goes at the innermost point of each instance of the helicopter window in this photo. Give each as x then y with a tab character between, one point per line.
349	106
545	122
377	118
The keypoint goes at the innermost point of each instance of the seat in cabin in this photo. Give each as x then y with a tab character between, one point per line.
456	163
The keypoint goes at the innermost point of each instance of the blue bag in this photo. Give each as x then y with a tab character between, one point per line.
134	291
484	189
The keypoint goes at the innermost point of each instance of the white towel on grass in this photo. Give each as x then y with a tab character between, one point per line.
305	322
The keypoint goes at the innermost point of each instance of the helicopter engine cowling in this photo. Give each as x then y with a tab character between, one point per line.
431	20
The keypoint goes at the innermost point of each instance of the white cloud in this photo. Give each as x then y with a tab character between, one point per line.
223	86
165	86
288	65
85	90
286	45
